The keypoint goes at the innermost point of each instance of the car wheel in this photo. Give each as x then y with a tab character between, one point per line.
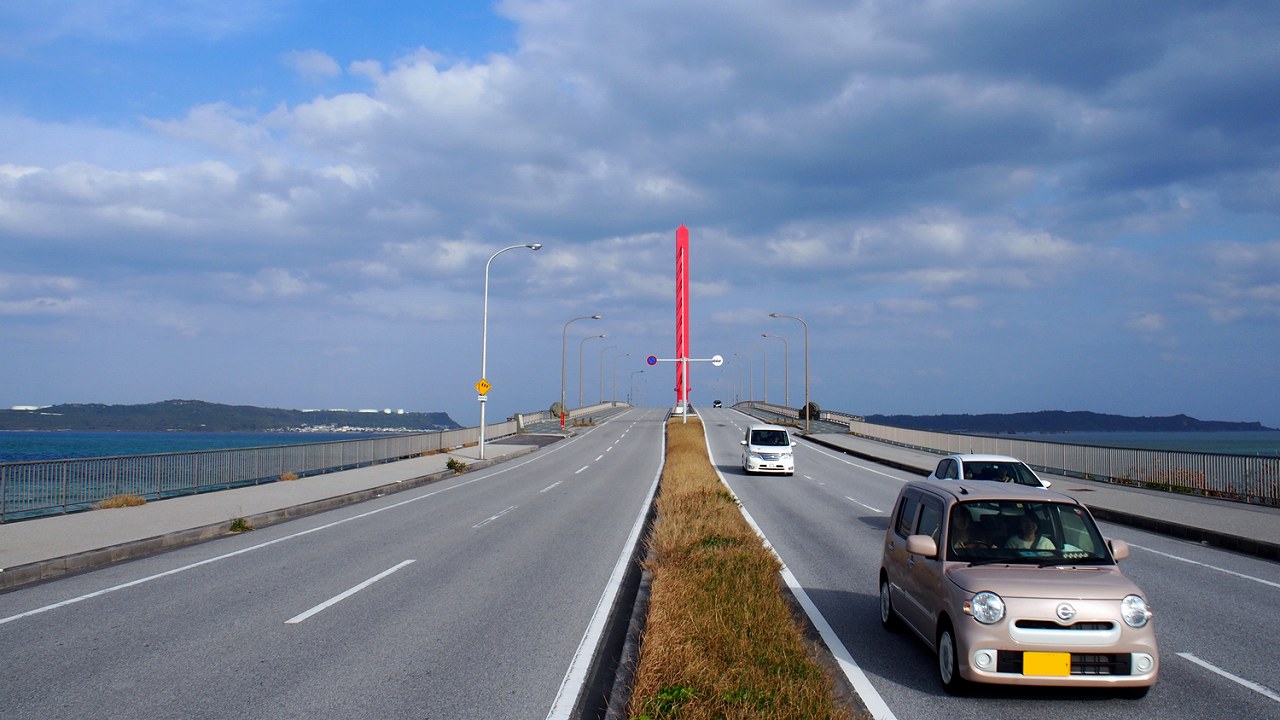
948	662
888	619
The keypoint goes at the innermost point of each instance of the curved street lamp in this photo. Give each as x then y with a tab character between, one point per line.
806	364
484	335
786	365
603	350
632	392
615	376
564	349
580	344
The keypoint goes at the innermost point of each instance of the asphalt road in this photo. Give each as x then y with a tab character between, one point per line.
1213	609
467	598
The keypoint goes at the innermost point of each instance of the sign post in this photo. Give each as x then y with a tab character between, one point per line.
715	360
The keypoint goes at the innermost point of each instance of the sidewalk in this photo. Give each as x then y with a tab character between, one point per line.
43	548
1251	529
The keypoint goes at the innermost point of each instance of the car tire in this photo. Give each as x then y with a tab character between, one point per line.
949	662
888	618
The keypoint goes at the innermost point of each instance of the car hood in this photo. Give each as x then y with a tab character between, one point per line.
1031	581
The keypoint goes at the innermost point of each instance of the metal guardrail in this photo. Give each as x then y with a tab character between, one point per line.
1243	478
50	487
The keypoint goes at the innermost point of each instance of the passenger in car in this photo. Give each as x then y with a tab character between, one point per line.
1026	538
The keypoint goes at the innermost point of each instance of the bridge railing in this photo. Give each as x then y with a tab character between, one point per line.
1243	478
50	487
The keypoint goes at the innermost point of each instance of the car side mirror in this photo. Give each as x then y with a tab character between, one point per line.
922	545
742	442
793	443
1119	549
1046	483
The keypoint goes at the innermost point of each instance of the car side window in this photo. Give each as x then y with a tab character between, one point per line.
930	519
906	515
951	473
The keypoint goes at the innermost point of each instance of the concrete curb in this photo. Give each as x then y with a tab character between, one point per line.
43	570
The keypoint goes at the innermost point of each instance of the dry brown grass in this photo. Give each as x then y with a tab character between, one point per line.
288	475
720	640
119	501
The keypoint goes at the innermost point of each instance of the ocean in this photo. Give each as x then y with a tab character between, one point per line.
24	446
1252	442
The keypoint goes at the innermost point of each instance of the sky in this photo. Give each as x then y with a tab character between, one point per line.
973	207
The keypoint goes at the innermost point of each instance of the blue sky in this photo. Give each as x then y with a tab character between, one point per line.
976	206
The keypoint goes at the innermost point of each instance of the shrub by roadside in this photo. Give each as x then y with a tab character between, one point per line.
720	640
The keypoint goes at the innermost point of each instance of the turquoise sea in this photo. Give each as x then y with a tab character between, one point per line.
23	446
1259	442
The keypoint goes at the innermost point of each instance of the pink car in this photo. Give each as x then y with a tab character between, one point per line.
1015	585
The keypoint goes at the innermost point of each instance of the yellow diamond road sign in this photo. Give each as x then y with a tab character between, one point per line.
483	386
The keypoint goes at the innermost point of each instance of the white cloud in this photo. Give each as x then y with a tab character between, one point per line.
312	66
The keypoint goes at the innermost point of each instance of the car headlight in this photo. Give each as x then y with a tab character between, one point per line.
986	608
1135	612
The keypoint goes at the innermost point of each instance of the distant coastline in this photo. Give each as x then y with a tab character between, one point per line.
200	416
1059	421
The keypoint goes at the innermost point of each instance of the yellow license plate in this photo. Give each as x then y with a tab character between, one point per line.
1046	663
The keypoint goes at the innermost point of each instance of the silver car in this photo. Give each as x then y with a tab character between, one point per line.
1014	585
997	468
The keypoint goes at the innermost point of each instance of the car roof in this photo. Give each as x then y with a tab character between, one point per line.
765	426
977	457
969	490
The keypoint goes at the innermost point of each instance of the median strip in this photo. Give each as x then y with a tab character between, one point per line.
720	638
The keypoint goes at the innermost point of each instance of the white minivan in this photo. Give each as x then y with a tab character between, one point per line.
767	449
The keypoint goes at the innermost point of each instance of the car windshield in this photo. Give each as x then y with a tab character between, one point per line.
1047	533
1000	471
769	437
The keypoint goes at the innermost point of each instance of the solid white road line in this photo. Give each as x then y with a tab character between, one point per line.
846	461
1260	689
1207	565
876	705
576	676
343	596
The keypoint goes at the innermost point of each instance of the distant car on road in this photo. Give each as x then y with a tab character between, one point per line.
998	468
767	449
1014	585
716	404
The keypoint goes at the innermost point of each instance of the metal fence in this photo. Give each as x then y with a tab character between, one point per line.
1243	478
50	487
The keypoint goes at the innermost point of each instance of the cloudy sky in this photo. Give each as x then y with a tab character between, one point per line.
975	206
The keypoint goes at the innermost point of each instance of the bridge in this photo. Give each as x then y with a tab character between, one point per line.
395	586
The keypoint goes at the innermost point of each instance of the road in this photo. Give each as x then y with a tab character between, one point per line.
467	598
1213	609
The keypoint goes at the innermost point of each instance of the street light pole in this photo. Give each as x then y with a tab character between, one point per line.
806	364
786	365
580	344
764	373
484	336
615	375
564	345
751	380
631	395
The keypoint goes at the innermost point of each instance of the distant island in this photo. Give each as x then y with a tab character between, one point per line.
1057	421
200	416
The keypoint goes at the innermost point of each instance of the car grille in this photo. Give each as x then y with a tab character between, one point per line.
770	456
1050	625
1010	661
